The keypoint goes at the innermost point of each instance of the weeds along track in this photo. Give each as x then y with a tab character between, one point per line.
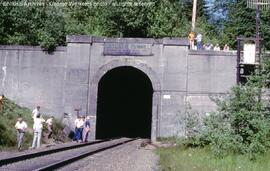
58	157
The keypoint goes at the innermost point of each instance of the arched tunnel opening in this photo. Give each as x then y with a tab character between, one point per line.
124	105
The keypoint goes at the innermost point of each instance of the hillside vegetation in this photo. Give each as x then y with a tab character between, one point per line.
8	133
8	118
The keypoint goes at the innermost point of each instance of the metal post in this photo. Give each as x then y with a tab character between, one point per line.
194	11
257	26
238	61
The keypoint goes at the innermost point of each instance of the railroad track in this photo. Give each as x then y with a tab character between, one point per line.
58	157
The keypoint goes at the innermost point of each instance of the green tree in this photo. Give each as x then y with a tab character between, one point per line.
47	25
168	20
234	19
32	26
241	22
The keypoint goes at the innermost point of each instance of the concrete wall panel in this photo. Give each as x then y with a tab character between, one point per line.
214	72
31	77
68	78
171	120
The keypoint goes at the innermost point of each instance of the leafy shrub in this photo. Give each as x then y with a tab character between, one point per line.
242	122
57	134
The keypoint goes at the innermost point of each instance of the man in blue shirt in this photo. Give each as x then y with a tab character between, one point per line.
199	41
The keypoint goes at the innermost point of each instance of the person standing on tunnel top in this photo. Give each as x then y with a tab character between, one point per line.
191	37
199	41
36	112
20	126
226	48
216	47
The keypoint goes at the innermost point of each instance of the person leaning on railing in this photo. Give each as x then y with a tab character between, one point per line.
226	48
191	37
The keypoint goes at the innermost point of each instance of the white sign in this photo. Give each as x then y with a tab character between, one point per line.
166	96
249	53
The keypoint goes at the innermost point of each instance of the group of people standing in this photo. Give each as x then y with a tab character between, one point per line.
82	128
21	127
192	37
207	46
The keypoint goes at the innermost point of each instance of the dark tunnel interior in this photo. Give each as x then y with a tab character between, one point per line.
124	107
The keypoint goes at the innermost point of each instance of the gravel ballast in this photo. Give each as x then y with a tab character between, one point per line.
128	157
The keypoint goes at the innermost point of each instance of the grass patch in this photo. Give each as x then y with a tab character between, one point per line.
197	159
169	140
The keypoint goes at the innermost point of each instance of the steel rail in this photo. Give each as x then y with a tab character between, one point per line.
14	159
67	161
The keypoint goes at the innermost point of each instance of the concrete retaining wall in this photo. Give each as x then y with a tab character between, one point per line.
69	77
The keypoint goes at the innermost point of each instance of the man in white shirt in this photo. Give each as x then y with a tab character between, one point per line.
20	126
79	123
38	125
36	112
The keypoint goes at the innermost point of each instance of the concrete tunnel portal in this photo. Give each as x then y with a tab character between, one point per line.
124	104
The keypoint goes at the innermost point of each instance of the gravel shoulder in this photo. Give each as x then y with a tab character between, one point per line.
131	157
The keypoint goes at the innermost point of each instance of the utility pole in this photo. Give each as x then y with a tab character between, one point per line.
258	5
194	11
258	26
